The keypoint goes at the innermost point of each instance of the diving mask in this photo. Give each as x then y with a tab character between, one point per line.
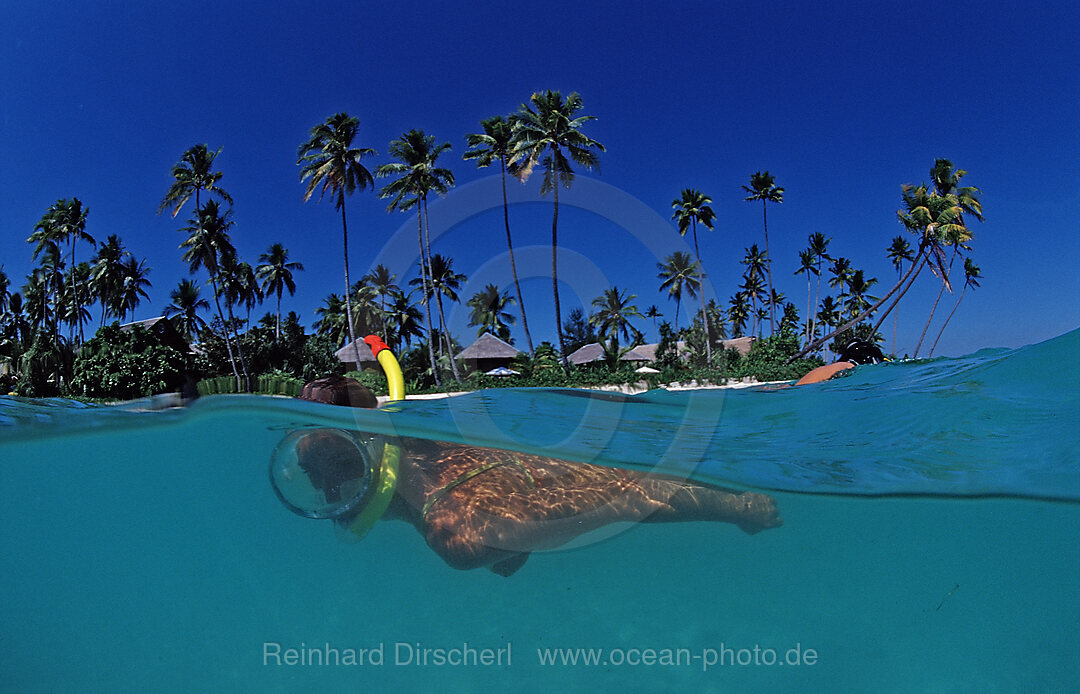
325	473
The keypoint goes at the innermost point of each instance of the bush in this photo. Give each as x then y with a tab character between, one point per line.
126	364
767	357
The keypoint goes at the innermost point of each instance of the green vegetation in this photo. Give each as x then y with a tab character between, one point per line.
44	350
126	364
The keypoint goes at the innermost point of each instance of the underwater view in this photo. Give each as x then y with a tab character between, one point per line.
930	542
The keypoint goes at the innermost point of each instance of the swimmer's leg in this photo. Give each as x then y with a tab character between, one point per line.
678	500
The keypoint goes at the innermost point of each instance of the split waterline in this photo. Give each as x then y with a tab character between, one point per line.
931	541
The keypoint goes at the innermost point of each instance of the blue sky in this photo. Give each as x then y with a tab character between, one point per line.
841	102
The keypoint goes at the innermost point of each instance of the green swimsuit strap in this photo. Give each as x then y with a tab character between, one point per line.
442	491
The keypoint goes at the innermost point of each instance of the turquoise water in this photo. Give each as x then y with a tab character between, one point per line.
931	543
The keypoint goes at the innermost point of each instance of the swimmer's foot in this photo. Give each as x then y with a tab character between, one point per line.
756	512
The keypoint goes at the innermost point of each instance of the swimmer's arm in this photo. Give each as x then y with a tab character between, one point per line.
824	373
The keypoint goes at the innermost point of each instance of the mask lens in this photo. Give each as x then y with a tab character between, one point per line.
320	473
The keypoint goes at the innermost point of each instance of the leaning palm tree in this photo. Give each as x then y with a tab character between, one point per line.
548	133
691	208
276	273
935	219
186	304
489	312
495	144
763	187
679	274
417	176
972	275
613	312
329	160
898	252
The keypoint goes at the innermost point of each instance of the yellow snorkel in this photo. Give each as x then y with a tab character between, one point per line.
391	453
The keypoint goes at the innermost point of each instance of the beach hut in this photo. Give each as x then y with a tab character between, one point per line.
594	352
488	352
742	344
347	356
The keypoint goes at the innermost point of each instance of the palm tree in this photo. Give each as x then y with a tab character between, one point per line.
207	240
947	185
276	273
192	175
679	274
489	312
841	277
933	218
549	133
763	187
753	287
246	286
107	274
613	314
858	292
382	281
972	275
65	221
444	282
402	320
5	295
332	319
75	297
495	144
654	313
691	208
48	237
329	160
186	304
807	267
898	252
819	246
417	177
233	287
134	286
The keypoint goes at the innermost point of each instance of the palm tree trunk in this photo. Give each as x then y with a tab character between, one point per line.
809	316
910	281
823	340
427	302
817	292
239	347
430	270
941	291
678	301
513	265
929	319
225	332
896	315
438	302
348	286
768	269
948	318
277	322
701	293
555	269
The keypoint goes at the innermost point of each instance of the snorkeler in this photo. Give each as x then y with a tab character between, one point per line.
856	353
481	507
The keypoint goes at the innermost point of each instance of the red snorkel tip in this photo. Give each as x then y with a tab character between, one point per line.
376	344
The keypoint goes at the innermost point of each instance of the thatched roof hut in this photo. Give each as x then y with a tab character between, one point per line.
488	352
742	344
594	352
347	356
